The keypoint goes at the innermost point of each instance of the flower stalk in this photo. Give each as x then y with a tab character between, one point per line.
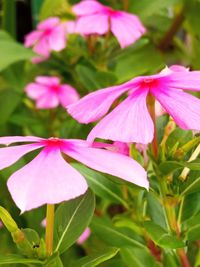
167	204
49	228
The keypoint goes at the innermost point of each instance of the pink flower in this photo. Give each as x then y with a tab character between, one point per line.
121	147
130	121
95	18
50	35
84	236
48	178
49	93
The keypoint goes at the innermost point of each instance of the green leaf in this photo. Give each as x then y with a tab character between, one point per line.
71	218
161	237
169	166
132	61
53	8
146	8
11	52
192	228
101	185
8	103
191	206
169	259
9	16
155	210
13	259
96	258
114	236
92	78
137	257
192	184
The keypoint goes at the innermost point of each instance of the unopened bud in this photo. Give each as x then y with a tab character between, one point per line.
7	220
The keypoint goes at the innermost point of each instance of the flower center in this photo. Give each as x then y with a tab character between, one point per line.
55	88
53	142
149	82
110	11
47	32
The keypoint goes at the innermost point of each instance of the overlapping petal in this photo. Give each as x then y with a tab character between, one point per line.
7	140
87	7
93	106
127	28
186	80
128	122
183	107
109	162
46	179
93	24
67	95
10	155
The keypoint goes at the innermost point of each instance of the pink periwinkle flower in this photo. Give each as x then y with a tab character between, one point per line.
50	35
84	236
130	121
48	178
49	92
95	18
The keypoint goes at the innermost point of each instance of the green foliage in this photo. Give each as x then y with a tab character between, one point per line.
137	257
101	185
11	52
161	237
95	259
69	223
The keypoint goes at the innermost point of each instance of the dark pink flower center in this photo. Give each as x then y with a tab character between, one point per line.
47	32
111	12
55	88
53	142
148	82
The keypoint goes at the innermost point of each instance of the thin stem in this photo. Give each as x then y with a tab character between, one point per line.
49	228
169	210
125	4
151	108
169	36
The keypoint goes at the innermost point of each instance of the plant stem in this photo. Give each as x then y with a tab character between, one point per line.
151	108
49	228
169	36
169	209
125	4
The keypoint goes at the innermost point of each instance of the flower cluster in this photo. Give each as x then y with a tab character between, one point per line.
49	178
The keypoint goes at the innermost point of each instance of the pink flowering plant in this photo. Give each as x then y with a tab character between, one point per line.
99	136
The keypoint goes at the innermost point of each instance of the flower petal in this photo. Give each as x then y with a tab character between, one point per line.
93	106
109	162
67	95
45	80
57	40
35	90
7	140
183	107
47	100
127	28
10	155
49	23
32	38
46	179
128	122
42	47
87	7
186	80
93	24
